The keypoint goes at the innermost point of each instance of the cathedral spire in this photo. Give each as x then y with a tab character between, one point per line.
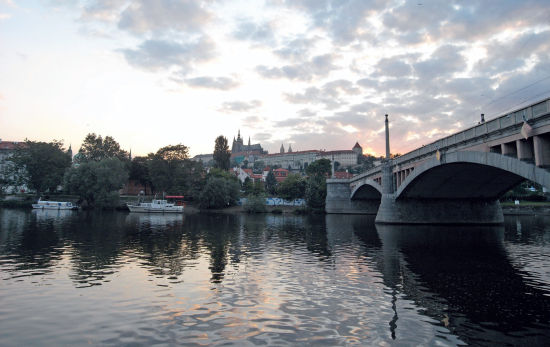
289	148
239	135
282	150
249	141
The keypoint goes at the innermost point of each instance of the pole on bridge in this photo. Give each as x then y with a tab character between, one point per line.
387	175
387	139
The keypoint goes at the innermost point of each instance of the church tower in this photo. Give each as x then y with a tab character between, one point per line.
282	150
289	148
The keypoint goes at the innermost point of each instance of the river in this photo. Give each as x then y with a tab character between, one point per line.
102	278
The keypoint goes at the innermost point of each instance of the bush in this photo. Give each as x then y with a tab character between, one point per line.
255	204
277	211
219	192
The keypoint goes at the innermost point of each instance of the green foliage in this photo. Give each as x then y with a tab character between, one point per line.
293	187
97	183
259	165
277	210
96	148
316	187
172	172
316	192
173	152
271	183
258	188
139	171
219	192
255	204
40	165
221	153
319	167
247	186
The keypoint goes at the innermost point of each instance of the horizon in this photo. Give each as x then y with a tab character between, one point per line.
315	75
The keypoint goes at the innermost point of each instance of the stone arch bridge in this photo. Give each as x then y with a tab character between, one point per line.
457	179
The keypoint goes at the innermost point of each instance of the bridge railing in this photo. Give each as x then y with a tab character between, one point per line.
533	111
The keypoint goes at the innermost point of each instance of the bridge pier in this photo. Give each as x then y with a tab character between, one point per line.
438	211
338	199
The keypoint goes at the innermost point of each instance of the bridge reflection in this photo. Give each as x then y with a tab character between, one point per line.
464	279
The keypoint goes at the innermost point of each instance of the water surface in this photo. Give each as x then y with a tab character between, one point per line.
77	278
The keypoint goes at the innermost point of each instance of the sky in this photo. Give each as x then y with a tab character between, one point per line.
315	74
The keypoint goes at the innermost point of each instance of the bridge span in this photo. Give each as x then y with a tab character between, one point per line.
457	179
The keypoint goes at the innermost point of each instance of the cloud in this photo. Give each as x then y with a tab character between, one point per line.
221	83
5	16
331	95
342	19
103	10
318	66
393	67
296	49
161	15
445	61
257	32
240	106
162	54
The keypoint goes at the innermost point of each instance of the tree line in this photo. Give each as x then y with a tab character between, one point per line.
100	169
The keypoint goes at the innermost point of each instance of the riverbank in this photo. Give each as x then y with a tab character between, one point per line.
525	208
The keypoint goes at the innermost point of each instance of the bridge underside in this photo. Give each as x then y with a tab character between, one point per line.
454	193
461	181
364	200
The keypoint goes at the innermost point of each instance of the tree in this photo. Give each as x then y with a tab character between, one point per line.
316	186
40	165
171	171
247	186
97	182
139	171
293	187
96	148
270	183
259	165
173	152
319	167
258	188
221	153
316	192
219	192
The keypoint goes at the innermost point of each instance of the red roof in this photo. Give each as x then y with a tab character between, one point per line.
357	145
280	169
7	145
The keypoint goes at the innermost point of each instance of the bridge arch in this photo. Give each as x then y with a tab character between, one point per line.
469	175
368	190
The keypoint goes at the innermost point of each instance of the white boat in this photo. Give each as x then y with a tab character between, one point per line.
155	206
54	205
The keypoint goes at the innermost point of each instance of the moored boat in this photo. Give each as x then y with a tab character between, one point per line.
54	205
155	206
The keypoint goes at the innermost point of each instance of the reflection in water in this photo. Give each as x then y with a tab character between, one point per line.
268	279
463	277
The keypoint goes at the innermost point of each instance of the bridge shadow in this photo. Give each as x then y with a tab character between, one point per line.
463	278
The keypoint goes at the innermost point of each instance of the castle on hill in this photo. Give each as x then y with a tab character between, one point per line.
239	149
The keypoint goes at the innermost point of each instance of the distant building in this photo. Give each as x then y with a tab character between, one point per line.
238	148
299	160
280	174
206	159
